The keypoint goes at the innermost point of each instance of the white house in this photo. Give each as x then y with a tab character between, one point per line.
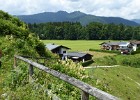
126	47
136	44
58	49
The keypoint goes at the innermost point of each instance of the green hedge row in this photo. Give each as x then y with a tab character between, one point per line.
107	51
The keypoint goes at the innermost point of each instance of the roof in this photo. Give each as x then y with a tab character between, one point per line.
135	42
121	43
54	46
77	54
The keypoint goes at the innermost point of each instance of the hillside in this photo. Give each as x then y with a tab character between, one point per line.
76	16
15	38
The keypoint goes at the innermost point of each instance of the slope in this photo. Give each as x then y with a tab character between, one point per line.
15	38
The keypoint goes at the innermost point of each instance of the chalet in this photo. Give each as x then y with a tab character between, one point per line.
124	47
62	51
110	45
58	49
77	56
136	45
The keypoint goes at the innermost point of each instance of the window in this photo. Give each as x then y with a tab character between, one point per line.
64	51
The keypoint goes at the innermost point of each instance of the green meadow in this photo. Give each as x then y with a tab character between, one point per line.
77	45
122	81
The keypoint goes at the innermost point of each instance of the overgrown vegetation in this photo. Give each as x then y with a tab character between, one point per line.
14	83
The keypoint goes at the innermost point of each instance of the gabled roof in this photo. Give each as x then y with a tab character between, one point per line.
54	46
124	43
121	43
77	54
135	42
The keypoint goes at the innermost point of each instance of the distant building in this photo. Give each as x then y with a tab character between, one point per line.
110	45
77	56
136	45
124	47
62	51
58	49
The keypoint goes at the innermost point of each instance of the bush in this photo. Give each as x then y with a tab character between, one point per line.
132	60
107	60
136	52
106	51
87	63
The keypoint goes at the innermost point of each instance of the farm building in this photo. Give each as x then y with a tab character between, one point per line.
110	45
136	45
77	56
62	51
124	47
58	49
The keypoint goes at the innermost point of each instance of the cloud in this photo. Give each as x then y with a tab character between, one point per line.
118	8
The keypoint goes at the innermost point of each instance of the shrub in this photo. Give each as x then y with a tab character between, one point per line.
87	63
106	51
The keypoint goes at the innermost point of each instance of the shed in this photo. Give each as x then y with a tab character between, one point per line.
77	56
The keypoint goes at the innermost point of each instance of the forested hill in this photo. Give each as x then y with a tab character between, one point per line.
77	16
92	31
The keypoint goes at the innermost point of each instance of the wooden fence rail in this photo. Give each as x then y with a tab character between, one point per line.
86	88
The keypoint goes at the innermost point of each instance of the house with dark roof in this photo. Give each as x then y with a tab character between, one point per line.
58	49
78	56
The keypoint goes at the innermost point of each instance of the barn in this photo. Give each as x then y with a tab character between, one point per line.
78	56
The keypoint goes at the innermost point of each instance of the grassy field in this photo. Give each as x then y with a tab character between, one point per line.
123	82
77	45
82	46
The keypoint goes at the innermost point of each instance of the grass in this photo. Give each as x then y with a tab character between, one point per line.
100	54
77	45
82	46
123	82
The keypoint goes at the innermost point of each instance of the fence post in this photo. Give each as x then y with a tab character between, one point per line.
84	95
30	72
15	62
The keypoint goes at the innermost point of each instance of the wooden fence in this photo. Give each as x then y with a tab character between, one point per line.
85	88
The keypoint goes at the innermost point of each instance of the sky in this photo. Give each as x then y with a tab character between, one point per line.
128	9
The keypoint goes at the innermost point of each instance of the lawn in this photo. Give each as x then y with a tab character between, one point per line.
123	82
77	45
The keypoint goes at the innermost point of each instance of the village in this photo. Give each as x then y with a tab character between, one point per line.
124	47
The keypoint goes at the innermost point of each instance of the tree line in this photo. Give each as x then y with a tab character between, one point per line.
92	31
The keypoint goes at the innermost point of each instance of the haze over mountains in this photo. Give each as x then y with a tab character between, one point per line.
77	16
136	20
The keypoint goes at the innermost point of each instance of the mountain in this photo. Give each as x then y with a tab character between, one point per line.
136	20
76	16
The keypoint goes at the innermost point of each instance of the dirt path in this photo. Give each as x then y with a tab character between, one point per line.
101	66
